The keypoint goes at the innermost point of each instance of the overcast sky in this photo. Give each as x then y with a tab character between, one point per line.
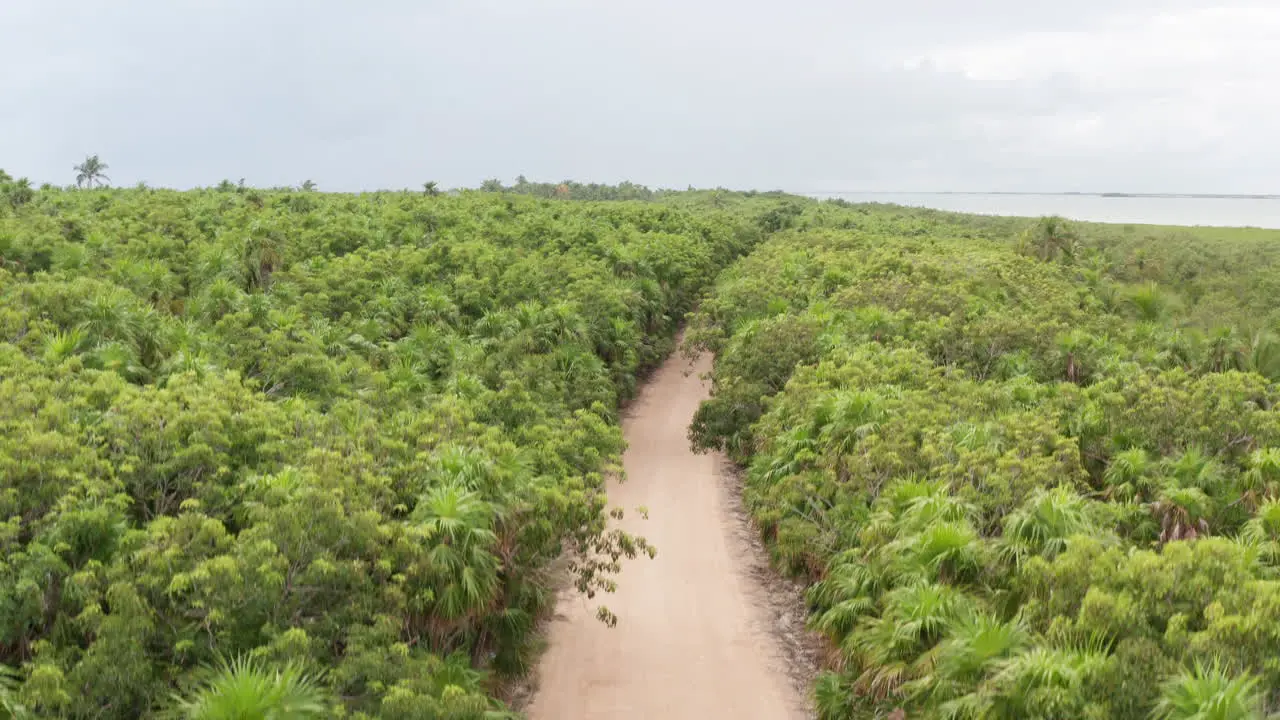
805	95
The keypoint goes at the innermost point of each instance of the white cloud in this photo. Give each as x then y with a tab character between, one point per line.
912	94
1177	81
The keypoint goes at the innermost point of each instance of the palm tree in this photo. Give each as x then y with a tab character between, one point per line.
886	648
948	551
430	188
848	593
1128	477
10	708
308	186
261	256
849	417
248	690
20	192
91	172
1223	344
975	645
1044	523
1209	693
1262	480
120	358
1149	302
1194	468
1040	682
833	698
1262	356
1263	531
458	524
1069	349
1051	238
62	345
1182	512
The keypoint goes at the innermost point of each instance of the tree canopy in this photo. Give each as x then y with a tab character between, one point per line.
1028	468
340	439
321	454
91	173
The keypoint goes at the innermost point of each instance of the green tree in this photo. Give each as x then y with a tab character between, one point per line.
1150	302
10	708
244	689
1052	238
18	192
1207	692
91	173
1044	524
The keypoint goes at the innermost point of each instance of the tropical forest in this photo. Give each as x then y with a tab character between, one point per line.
284	453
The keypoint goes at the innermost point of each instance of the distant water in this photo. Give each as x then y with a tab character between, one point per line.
1219	212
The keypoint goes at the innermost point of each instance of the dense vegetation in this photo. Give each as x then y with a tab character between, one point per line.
329	452
321	451
1030	470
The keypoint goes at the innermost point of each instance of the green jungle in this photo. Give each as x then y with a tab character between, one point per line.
333	454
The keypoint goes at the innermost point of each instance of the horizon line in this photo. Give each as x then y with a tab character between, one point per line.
1114	194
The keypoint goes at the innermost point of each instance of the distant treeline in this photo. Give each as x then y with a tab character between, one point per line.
625	190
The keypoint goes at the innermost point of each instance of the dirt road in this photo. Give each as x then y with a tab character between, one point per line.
695	638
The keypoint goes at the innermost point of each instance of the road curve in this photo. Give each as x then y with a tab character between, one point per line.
693	639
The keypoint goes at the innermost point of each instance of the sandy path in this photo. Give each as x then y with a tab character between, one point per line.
693	639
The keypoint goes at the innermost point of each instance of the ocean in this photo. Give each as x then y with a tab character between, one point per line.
1217	212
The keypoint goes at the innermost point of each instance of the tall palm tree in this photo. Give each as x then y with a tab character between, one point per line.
91	172
430	188
244	689
1194	468
1209	693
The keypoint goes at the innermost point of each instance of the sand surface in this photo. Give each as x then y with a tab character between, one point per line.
698	634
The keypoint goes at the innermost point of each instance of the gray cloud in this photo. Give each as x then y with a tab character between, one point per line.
1138	95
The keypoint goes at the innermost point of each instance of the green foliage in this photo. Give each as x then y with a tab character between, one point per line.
1209	693
349	433
1027	472
10	708
244	690
91	172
